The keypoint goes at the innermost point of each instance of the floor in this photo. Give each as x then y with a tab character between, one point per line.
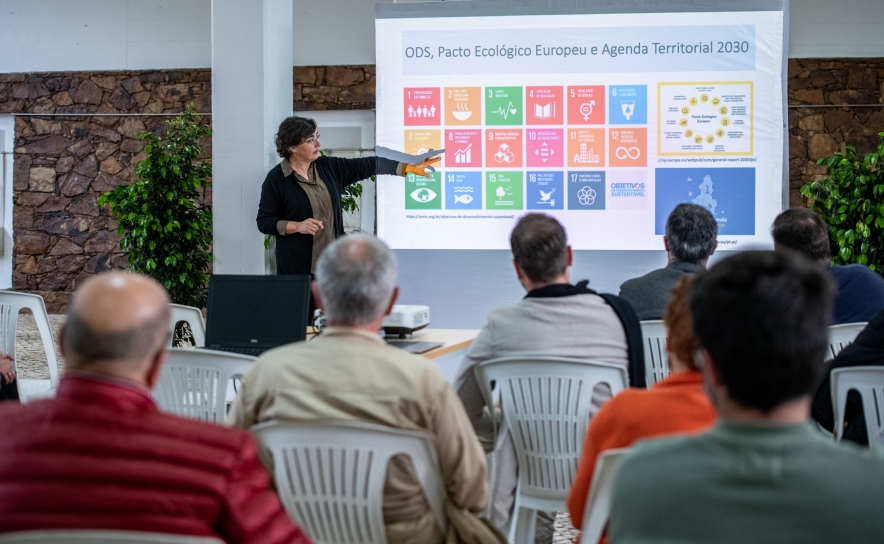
31	363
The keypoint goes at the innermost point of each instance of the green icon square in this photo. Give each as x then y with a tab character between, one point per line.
423	193
503	191
503	105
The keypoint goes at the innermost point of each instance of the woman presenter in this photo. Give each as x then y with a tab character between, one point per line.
301	196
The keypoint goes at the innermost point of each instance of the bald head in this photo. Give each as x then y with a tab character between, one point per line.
115	318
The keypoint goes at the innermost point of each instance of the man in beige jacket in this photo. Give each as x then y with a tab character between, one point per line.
349	373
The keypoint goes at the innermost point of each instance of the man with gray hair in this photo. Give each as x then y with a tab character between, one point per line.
348	373
690	239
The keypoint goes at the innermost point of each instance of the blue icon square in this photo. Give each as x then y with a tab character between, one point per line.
728	194
586	190
545	191
463	191
628	104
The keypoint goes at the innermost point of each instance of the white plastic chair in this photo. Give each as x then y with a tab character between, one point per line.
10	305
330	475
656	358
194	382
598	501
841	336
546	403
868	381
193	317
89	536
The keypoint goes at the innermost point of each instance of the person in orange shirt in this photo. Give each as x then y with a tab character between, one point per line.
677	404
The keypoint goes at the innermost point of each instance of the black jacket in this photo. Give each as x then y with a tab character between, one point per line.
284	199
866	350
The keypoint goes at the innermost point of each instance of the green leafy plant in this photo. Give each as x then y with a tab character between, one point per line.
851	202
166	229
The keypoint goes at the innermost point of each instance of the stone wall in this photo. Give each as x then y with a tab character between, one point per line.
816	129
63	162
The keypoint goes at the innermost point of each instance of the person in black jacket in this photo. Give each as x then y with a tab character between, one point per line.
301	196
866	350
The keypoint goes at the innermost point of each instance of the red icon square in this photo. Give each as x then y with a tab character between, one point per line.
544	105
545	147
586	105
463	148
422	106
503	148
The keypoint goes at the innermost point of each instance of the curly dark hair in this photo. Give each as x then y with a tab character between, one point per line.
804	231
293	131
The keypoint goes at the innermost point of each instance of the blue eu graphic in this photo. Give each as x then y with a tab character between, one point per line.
463	191
728	193
545	191
586	190
628	104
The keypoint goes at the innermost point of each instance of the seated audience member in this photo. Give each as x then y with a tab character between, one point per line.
866	350
8	387
555	319
860	291
349	373
677	404
100	455
763	474
690	239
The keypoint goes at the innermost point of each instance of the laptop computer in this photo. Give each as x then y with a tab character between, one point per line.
251	314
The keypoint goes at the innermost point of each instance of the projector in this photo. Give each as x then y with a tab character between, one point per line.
405	319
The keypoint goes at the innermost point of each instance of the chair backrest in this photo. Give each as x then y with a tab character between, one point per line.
841	336
868	381
193	317
656	358
330	475
193	382
11	303
89	536
598	501
546	402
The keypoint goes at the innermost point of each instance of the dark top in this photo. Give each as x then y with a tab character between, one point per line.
282	198
626	315
860	293
649	294
866	350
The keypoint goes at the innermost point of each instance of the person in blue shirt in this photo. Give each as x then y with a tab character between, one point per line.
860	291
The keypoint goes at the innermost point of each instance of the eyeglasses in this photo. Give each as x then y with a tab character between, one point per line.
313	140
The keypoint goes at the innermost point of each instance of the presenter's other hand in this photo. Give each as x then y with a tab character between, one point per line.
420	169
308	226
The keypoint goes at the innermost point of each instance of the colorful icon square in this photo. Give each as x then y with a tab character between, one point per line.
503	191
586	147
545	147
422	107
423	193
586	190
628	147
545	191
628	105
503	148
463	105
586	105
418	142
463	191
503	105
545	105
463	148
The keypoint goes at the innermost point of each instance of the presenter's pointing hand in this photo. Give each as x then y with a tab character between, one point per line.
420	169
308	226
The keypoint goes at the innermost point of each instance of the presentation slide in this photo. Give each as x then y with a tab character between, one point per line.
605	121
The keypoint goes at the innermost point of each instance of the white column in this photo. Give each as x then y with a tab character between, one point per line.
251	93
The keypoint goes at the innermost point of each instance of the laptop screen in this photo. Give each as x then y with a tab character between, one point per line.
257	311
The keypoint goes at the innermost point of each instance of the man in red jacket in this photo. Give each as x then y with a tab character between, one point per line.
101	456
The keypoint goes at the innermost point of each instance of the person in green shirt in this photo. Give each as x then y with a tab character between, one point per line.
763	474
